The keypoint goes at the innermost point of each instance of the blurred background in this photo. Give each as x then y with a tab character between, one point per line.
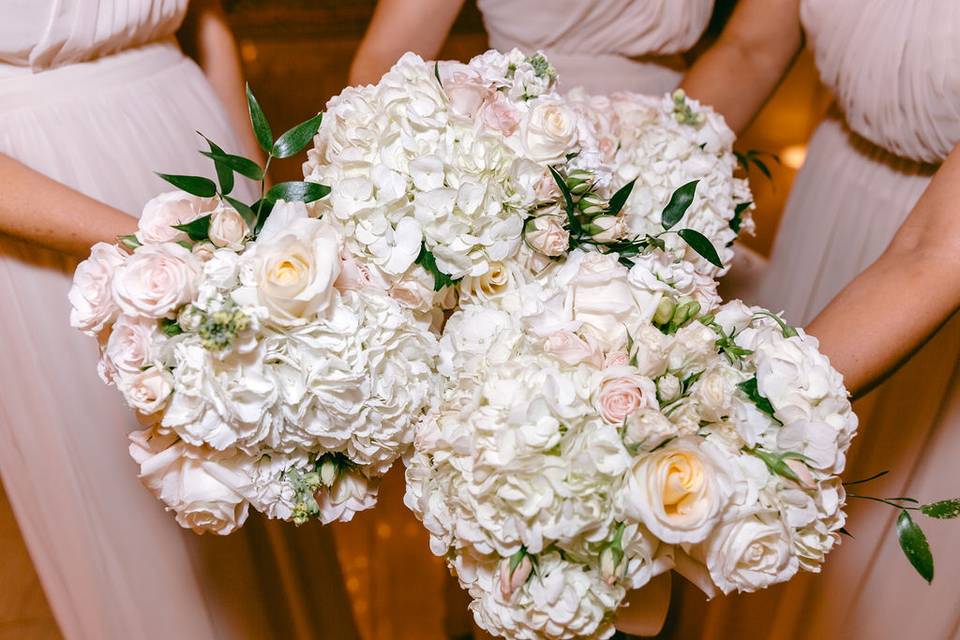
296	54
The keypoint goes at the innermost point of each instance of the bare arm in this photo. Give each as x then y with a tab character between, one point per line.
206	37
890	310
52	215
399	26
739	72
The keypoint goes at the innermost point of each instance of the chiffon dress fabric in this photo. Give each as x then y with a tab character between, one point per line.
97	95
891	65
602	45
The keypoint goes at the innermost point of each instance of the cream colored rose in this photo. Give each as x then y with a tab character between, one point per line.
156	280
168	209
414	290
549	131
200	488
546	235
90	296
147	391
292	269
227	229
621	396
679	490
602	299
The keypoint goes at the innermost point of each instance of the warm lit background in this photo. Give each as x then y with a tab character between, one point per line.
296	54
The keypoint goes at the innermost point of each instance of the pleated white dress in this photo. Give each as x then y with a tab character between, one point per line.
97	95
892	65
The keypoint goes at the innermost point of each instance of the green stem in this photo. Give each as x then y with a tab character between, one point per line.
885	501
263	183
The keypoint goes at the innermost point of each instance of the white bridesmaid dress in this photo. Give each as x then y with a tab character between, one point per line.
892	65
96	94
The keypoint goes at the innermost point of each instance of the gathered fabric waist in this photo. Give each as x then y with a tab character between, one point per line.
24	87
604	73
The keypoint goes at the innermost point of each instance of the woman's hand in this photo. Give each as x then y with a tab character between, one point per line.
399	26
739	72
890	310
49	214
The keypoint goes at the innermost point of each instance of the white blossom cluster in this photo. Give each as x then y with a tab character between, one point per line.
614	427
271	372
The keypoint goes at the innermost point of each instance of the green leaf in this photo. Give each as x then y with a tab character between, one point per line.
440	279
243	166
516	559
680	201
130	242
297	192
436	73
224	172
620	198
737	221
195	185
261	128
263	208
568	199
915	546
249	215
763	168
294	140
699	243
942	509
776	463
170	327
751	389
197	229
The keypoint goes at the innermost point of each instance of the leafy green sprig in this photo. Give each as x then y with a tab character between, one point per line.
583	206
228	165
911	538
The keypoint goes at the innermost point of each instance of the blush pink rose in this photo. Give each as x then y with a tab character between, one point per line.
465	89
620	397
497	114
546	235
616	359
570	348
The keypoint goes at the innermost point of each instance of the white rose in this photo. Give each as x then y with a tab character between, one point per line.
147	391
166	210
292	270
90	295
191	482
549	131
751	553
678	491
414	290
156	280
227	228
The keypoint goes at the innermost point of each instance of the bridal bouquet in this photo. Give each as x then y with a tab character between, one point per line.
245	336
610	431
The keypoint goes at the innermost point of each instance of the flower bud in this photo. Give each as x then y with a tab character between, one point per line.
579	181
608	228
612	564
664	311
328	472
679	96
802	472
510	581
592	204
203	250
684	312
668	387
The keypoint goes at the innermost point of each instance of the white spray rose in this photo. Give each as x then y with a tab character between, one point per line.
751	553
549	131
163	212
